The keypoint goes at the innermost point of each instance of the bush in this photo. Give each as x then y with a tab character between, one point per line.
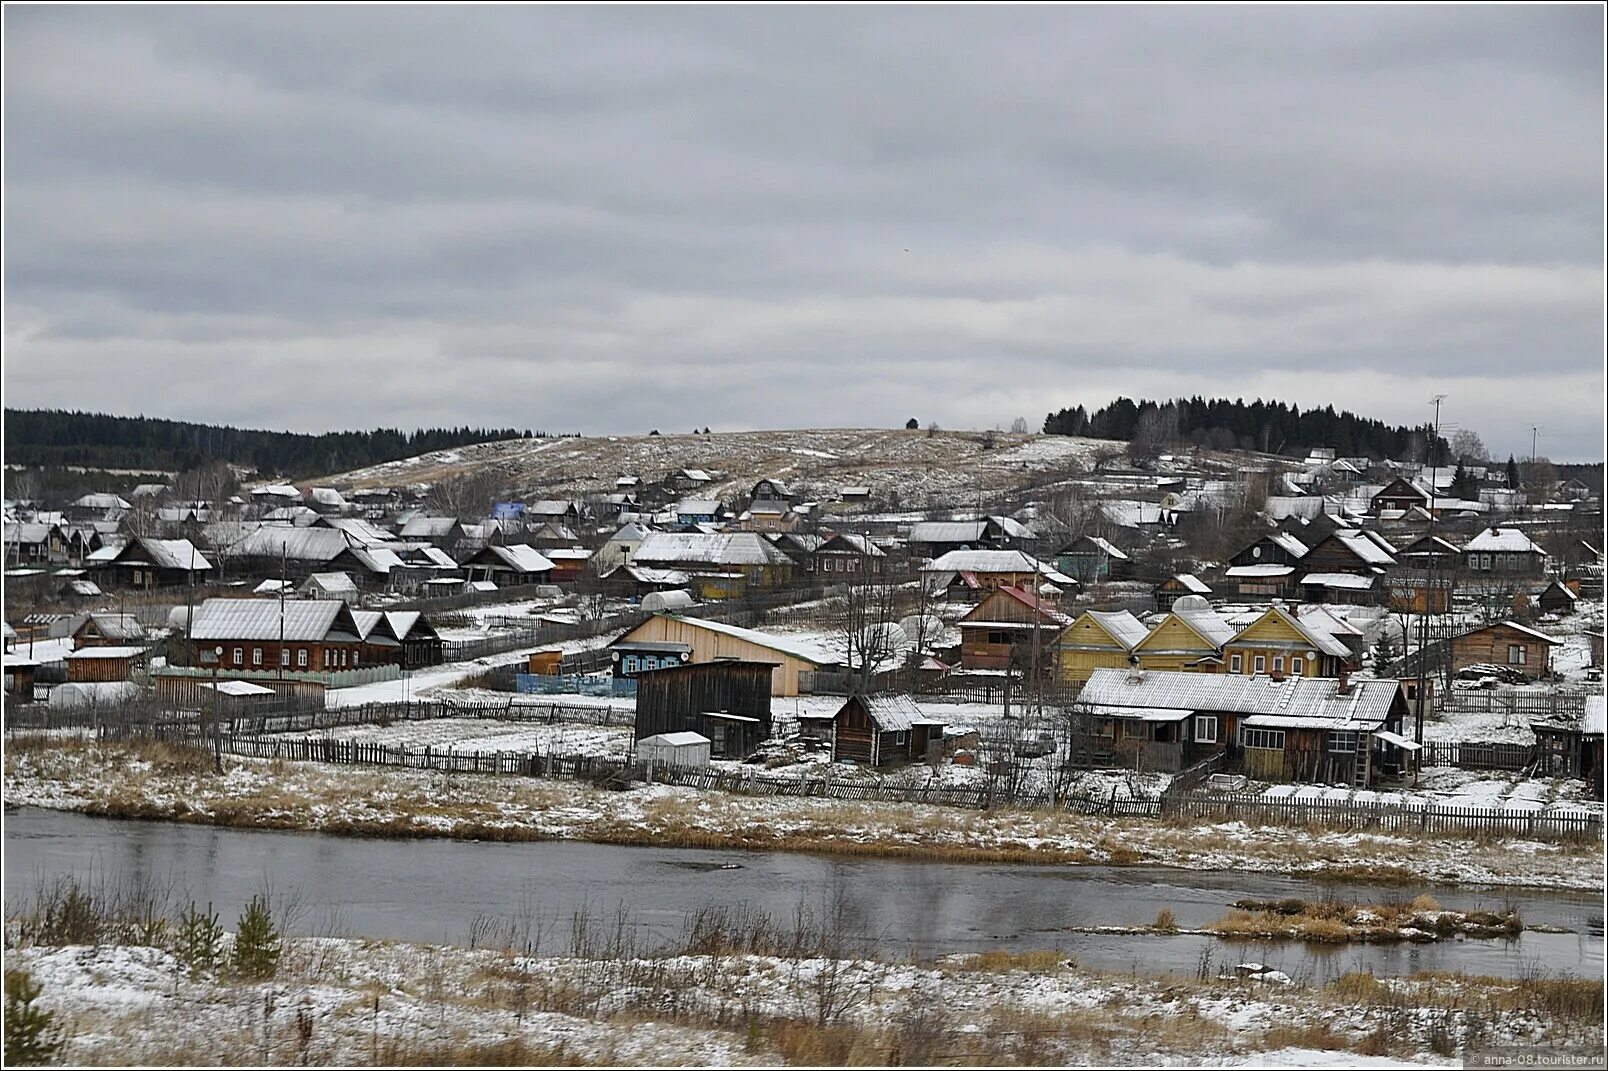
1166	921
256	944
31	1036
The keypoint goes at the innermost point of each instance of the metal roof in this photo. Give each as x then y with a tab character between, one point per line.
947	531
721	548
799	649
259	619
1312	701
1120	625
299	544
520	558
982	561
1510	540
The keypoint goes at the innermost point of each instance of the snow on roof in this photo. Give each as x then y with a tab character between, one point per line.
1211	625
947	531
171	553
1297	700
1291	545
1526	629
1264	569
332	582
1123	627
115	626
427	527
716	548
328	496
697	507
521	558
277	490
1592	723
364	532
787	645
259	619
1503	539
1348	581
1191	582
296	544
982	561
101	500
892	713
91	653
274	587
377	559
1368	546
675	739
238	688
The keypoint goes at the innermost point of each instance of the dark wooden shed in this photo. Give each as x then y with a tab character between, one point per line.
727	700
883	729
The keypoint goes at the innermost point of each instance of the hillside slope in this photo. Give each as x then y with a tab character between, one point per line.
902	468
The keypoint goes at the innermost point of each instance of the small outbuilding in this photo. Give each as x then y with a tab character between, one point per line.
673	749
727	701
880	730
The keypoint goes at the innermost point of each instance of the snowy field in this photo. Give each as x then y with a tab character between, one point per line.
344	1001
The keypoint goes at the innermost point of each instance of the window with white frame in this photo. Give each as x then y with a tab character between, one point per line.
1278	663
1296	665
301	657
239	656
1234	663
1271	739
256	656
1259	665
1343	741
284	656
1206	728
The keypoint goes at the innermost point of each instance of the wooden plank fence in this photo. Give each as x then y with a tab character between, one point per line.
1477	756
1378	815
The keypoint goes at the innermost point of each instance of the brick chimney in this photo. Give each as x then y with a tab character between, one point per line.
1344	673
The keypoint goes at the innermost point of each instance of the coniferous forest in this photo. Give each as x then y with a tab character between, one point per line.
56	437
1218	423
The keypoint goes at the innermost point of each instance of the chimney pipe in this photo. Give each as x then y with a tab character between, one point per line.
1344	674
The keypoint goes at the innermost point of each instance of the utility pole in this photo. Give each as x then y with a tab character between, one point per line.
1429	593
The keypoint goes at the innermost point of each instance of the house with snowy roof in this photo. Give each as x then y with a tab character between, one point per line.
999	632
1508	644
1499	552
1098	639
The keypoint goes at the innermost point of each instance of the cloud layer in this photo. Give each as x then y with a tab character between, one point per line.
611	220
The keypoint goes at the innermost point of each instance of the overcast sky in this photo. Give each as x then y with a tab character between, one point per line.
611	220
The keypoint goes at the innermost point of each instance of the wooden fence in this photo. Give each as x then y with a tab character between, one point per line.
1197	806
1477	756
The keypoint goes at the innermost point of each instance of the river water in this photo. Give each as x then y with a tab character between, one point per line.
433	890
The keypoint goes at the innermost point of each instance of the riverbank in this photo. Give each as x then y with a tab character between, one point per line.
337	1001
156	781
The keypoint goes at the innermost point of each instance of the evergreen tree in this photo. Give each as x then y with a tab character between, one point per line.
31	1036
1512	474
1384	651
256	945
1463	484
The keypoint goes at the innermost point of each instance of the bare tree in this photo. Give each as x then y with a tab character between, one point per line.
1019	426
1468	448
867	620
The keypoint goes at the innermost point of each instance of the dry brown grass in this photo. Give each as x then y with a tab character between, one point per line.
1038	961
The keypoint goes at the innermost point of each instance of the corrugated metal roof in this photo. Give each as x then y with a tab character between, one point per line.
947	531
982	561
720	548
787	645
1193	583
1210	624
332	582
521	558
259	619
1312	700
298	544
428	527
1122	626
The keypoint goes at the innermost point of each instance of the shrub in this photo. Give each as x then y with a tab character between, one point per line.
31	1036
256	944
1166	921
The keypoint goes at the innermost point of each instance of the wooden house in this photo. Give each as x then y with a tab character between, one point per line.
1503	554
420	642
1505	643
1399	494
932	539
727	700
844	557
1350	550
1299	729
1558	597
34	543
1090	559
1098	640
1279	643
880	730
720	564
998	632
143	562
1189	639
110	630
709	641
295	635
508	565
973	573
329	586
1176	587
19	675
105	663
1569	748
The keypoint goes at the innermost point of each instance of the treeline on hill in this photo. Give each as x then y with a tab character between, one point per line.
55	437
1220	424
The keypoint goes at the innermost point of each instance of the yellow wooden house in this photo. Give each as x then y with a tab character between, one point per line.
1279	644
1098	640
1188	640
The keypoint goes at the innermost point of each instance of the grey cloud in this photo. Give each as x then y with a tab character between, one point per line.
613	218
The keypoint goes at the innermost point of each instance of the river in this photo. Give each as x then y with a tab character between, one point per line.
433	890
